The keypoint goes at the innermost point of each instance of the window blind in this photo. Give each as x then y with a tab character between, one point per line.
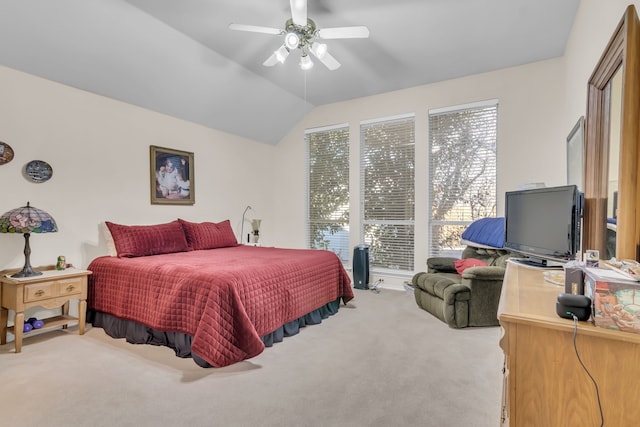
328	189
387	193
462	173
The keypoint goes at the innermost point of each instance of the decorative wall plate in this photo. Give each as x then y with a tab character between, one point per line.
38	171
6	153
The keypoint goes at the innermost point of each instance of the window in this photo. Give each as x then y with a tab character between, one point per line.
387	191
328	189
462	172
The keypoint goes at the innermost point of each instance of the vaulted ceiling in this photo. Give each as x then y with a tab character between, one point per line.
181	59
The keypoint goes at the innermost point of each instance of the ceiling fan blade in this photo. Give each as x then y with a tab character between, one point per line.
299	12
255	29
329	61
360	32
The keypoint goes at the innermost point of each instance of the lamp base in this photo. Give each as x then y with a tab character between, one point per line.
27	272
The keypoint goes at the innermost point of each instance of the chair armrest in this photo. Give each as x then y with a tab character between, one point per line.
484	273
456	292
485	284
441	264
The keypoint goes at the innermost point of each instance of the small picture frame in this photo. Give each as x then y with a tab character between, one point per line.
171	177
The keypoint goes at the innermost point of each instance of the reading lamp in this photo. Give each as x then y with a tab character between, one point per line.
255	225
242	226
27	220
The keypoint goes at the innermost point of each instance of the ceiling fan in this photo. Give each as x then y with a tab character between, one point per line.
300	32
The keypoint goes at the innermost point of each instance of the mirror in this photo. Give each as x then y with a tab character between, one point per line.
612	135
614	145
613	167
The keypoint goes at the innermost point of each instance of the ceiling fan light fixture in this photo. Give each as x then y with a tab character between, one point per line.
305	62
319	49
300	32
292	40
281	54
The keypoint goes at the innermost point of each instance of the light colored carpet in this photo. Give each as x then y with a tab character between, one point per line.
381	361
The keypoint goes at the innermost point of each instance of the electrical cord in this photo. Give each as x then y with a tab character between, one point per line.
374	287
595	384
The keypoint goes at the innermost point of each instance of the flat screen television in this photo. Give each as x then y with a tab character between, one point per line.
543	224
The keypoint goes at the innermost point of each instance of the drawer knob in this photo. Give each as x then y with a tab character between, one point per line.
39	293
70	288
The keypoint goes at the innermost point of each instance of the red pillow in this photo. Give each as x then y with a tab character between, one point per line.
462	264
209	235
142	240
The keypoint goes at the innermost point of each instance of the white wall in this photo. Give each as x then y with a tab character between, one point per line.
99	151
594	25
539	104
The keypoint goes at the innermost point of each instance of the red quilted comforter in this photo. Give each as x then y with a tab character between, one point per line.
225	298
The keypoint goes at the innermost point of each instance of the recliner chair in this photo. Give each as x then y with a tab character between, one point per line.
467	299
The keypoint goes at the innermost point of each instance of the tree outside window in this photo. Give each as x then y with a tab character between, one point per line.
388	191
328	190
462	174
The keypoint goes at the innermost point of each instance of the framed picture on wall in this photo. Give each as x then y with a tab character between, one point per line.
172	180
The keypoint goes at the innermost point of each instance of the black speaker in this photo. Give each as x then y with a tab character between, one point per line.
361	267
569	305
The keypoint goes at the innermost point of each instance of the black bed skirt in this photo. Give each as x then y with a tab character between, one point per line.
137	333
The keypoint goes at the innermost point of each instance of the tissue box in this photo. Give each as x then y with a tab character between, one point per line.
615	298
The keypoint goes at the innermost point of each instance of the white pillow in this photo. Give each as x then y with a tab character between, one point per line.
111	246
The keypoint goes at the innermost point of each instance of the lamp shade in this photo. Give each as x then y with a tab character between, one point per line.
281	54
27	220
292	40
319	50
305	62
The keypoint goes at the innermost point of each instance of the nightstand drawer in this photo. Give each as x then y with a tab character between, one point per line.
69	286
52	289
40	291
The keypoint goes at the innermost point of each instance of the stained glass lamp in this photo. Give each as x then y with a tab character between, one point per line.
27	220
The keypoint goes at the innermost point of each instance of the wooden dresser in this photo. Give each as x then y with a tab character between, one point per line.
544	383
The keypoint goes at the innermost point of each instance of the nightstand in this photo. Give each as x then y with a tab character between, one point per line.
52	289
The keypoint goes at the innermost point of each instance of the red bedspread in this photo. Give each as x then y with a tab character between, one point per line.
225	298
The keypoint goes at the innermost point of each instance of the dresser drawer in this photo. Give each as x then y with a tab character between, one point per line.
52	289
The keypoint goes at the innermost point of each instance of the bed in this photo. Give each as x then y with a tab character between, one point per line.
191	287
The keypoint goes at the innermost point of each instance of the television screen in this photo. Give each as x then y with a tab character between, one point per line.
544	223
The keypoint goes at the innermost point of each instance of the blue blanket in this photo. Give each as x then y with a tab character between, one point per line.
486	232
